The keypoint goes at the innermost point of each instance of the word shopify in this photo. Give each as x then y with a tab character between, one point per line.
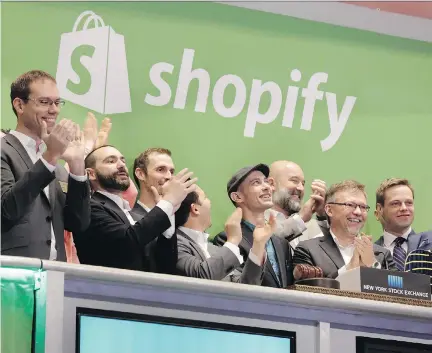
254	116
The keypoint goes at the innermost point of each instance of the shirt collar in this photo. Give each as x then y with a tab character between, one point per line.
197	236
335	239
143	206
390	238
123	204
28	142
249	225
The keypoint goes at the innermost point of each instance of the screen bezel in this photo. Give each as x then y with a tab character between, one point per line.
120	315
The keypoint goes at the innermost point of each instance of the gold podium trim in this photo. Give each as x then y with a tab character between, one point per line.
361	295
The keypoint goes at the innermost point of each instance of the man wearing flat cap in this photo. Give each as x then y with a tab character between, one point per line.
249	190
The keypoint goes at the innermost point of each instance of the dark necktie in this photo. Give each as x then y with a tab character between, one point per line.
399	254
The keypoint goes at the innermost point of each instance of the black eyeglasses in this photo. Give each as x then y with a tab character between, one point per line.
352	206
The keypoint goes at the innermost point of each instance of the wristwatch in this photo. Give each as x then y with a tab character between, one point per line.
376	264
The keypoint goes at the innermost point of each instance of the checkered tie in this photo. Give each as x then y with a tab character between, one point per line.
399	253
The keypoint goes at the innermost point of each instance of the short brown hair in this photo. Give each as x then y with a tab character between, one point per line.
389	183
346	185
20	88
142	161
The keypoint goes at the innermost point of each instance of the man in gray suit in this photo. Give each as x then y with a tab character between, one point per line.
395	212
343	247
295	220
39	198
201	259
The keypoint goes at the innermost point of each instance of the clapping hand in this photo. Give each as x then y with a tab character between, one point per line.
233	227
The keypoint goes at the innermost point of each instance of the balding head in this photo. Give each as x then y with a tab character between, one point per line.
283	168
287	180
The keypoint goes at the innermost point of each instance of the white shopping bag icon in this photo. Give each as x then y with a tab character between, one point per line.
92	67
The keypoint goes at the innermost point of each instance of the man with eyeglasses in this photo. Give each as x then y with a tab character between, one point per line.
39	198
395	212
343	247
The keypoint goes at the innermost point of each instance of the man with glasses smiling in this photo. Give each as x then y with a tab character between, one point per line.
343	247
39	198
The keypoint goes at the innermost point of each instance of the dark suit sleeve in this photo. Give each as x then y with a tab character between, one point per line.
162	255
216	267
17	197
110	232
302	256
248	273
77	208
220	239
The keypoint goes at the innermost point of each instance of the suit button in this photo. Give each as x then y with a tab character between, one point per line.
48	219
48	242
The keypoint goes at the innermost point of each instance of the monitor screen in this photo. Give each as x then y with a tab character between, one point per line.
113	332
379	345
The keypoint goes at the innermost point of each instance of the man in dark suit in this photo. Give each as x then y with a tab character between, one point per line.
395	212
200	259
39	198
119	238
343	247
249	190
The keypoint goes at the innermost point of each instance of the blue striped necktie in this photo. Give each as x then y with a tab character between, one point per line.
399	254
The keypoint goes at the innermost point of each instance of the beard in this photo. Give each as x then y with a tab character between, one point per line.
283	199
111	183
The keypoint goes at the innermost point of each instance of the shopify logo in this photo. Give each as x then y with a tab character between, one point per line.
92	68
283	102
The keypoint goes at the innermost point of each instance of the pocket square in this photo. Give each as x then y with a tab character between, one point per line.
423	244
64	186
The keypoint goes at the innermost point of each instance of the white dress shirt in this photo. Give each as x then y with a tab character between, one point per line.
389	240
29	145
122	203
201	238
347	253
168	208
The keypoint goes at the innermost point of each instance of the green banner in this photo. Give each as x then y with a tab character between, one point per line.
17	308
224	87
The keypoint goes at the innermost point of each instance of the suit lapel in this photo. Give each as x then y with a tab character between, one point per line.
139	210
16	144
193	244
380	241
280	257
331	249
247	245
413	242
112	206
19	148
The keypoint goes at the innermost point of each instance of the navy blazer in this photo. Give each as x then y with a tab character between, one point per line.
422	241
